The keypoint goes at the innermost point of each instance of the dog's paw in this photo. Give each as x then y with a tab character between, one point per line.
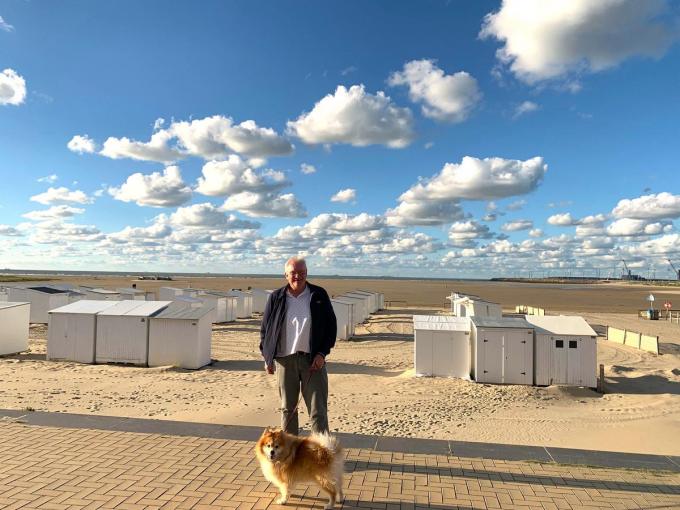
329	506
281	500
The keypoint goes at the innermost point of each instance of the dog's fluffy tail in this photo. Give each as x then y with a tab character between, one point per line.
328	441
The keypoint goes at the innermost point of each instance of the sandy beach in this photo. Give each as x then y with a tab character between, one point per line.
372	387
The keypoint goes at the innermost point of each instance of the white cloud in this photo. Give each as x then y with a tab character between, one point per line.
158	230
536	232
517	205
464	233
61	195
634	227
56	231
480	179
5	26
562	220
567	220
595	230
517	225
154	190
6	230
307	169
12	87
208	216
213	137
54	212
665	245
345	195
48	178
424	212
650	207
553	39
81	144
449	98
265	204
524	108
233	175
156	149
353	116
217	137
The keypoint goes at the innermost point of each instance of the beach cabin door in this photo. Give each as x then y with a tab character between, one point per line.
443	353
558	361
573	348
491	356
517	351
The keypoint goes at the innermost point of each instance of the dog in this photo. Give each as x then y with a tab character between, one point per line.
286	459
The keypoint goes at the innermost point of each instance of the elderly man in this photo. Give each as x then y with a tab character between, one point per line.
298	332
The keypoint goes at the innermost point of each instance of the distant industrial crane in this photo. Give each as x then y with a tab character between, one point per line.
676	271
628	274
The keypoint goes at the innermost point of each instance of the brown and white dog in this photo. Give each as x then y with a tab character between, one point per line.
286	459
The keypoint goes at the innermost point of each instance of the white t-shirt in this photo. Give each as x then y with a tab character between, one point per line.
295	337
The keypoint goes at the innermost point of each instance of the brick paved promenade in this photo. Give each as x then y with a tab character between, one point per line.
59	468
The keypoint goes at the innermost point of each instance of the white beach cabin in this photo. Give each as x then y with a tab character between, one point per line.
74	295
72	330
100	294
379	298
14	321
361	311
472	306
123	331
260	297
565	351
42	300
244	303
374	299
502	350
370	301
169	293
344	314
220	304
441	346
181	337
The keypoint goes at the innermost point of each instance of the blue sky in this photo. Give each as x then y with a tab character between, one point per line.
461	138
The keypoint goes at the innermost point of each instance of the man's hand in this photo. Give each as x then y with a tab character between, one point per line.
269	368
318	363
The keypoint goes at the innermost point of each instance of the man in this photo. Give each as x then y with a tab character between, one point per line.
298	332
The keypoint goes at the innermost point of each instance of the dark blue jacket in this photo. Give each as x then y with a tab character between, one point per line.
322	330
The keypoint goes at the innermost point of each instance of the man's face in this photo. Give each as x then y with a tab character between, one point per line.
296	275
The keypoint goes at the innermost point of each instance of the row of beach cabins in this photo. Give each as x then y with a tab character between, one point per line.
93	325
476	341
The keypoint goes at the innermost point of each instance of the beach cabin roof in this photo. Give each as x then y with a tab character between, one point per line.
187	299
11	304
103	291
86	306
136	308
574	325
441	323
500	322
179	312
48	290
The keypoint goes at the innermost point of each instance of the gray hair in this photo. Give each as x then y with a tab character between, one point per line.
297	259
